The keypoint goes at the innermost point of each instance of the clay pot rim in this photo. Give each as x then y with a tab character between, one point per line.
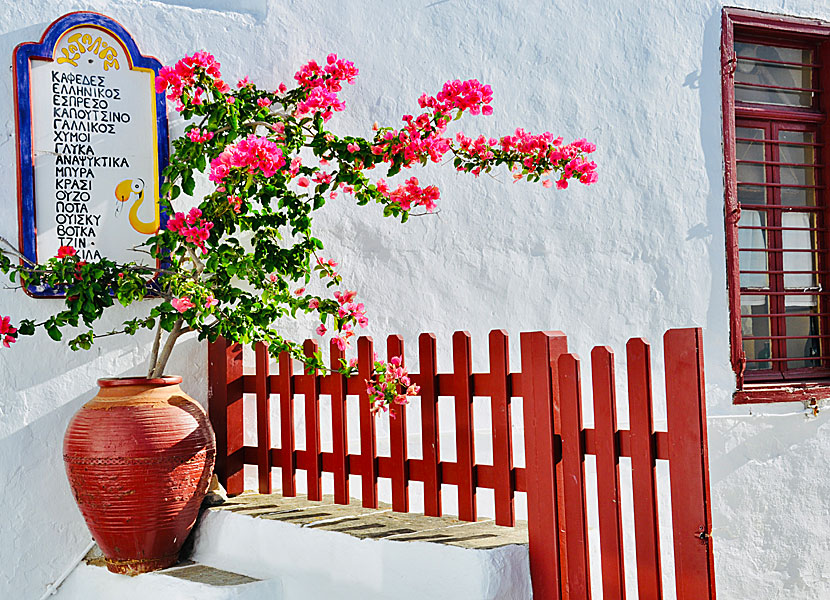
107	382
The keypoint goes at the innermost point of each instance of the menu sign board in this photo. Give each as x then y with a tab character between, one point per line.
92	138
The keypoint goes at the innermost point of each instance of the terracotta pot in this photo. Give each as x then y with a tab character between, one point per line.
139	457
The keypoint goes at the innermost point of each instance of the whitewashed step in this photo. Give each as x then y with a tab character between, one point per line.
185	582
321	551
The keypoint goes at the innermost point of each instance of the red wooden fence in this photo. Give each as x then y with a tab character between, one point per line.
556	443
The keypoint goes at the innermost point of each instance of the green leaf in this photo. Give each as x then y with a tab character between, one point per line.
188	185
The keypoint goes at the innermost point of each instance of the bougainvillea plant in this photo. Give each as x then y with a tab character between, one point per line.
246	255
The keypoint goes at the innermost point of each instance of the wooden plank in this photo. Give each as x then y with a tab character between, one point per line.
339	427
397	433
430	442
311	392
644	471
502	429
464	427
558	347
689	464
608	473
368	441
543	518
288	464
573	471
263	418
225	407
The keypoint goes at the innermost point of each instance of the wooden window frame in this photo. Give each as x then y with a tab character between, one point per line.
787	31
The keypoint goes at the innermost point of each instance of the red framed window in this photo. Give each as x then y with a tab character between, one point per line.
776	83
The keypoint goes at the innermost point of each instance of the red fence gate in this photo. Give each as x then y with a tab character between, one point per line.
556	444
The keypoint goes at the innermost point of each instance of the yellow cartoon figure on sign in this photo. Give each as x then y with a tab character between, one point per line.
123	192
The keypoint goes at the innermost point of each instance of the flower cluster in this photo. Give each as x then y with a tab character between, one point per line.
411	195
66	251
390	385
182	304
349	310
252	153
199	136
192	227
322	85
460	95
8	334
175	79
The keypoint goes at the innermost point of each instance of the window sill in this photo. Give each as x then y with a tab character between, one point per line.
766	393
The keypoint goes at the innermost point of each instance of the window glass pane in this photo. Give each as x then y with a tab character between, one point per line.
793	153
759	75
753	238
751	194
800	238
803	326
755	327
748	150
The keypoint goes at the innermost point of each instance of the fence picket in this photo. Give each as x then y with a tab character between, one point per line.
368	440
464	429
225	406
263	418
311	392
339	428
542	507
430	441
573	475
608	473
288	461
397	432
689	464
644	471
504	486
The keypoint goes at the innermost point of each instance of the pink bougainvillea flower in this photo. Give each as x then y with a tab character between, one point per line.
547	183
304	182
313	303
263	102
65	251
6	326
230	100
210	302
182	304
321	330
299	291
235	202
199	136
243	82
273	278
252	154
353	147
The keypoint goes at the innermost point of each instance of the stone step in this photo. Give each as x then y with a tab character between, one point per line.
325	550
185	581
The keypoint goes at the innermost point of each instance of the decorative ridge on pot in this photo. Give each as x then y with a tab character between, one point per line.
106	382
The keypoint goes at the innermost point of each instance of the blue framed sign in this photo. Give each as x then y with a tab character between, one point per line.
92	142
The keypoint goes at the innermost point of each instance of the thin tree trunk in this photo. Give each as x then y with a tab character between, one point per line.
155	353
161	363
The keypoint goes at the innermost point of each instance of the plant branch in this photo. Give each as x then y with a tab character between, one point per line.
161	363
12	250
155	352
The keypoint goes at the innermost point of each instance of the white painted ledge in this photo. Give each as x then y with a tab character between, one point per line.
315	563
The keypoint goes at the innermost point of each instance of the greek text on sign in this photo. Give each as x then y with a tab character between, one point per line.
94	132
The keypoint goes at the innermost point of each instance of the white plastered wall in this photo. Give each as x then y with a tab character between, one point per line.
639	252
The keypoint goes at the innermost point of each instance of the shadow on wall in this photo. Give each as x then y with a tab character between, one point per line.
707	83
